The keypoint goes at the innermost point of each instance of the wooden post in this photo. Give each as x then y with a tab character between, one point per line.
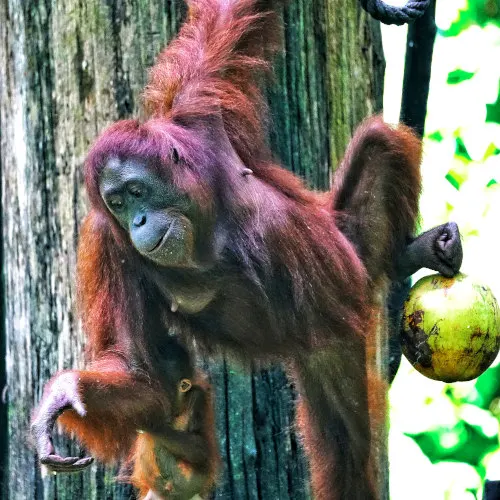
69	68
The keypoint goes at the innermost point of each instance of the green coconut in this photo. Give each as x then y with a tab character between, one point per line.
451	328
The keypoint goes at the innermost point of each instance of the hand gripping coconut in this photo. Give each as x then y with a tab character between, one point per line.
450	328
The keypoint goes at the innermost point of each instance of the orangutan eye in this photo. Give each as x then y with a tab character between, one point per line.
135	190
115	202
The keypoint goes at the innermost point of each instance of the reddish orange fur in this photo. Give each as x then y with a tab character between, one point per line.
213	66
147	474
390	156
109	428
146	471
301	275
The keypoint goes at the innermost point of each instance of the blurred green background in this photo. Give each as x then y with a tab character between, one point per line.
444	438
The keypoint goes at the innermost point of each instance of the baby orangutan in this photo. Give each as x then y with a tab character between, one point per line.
181	462
170	453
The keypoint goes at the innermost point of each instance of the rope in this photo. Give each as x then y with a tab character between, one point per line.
389	14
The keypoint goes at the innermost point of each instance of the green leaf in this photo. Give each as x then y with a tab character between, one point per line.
436	136
492	150
461	150
463	21
462	443
455	178
493	111
442	442
479	12
485	11
451	179
487	388
458	76
491	183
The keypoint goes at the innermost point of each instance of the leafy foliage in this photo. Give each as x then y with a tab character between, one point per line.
493	110
458	75
448	434
473	12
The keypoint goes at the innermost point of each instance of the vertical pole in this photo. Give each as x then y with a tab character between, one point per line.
417	74
418	62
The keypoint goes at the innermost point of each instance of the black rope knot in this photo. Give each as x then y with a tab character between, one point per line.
389	14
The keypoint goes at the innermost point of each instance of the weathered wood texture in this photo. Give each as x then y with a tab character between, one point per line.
67	69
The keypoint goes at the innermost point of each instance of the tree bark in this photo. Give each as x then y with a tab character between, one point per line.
69	68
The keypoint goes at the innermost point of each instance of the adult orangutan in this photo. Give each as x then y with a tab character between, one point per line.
193	226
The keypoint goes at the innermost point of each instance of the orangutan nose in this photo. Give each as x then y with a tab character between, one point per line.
139	220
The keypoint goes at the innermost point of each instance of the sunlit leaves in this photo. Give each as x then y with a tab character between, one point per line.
454	179
491	464
492	150
487	388
460	481
459	15
452	16
458	76
482	421
442	442
407	462
435	136
457	426
461	150
493	111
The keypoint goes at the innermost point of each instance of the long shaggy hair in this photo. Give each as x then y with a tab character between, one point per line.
297	273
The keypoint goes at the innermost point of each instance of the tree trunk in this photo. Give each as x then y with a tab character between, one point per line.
69	68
